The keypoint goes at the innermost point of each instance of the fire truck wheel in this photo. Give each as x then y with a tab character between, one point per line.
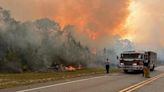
125	71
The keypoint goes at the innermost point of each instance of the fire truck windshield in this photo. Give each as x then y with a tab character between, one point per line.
131	56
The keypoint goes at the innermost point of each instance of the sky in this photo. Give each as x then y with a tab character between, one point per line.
146	22
140	21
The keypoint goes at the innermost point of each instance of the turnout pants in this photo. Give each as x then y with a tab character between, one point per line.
146	72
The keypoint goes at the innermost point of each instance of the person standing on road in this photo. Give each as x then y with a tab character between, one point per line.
146	70
107	66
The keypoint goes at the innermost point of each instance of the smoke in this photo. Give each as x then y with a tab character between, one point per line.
146	22
73	32
38	44
96	21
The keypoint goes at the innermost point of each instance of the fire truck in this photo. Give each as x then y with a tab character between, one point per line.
134	60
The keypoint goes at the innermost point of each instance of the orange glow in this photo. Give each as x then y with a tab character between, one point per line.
70	68
129	23
93	35
96	19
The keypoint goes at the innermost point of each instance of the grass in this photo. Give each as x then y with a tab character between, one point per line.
10	79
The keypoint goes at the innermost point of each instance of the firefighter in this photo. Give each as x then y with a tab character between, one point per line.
146	70
107	66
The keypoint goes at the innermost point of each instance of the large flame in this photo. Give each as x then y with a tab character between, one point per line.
98	20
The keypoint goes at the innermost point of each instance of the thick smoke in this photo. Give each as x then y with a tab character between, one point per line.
146	22
96	21
37	45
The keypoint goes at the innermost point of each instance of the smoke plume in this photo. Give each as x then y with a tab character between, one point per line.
96	21
36	45
73	32
146	23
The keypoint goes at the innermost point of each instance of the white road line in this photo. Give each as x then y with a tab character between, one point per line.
43	87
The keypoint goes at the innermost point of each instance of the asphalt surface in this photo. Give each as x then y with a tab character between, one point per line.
156	86
104	83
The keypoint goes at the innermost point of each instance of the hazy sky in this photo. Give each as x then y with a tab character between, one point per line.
147	23
141	21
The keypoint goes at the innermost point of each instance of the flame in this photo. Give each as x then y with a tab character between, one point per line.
103	18
70	68
95	15
95	20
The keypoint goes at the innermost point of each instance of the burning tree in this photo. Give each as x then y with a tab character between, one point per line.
40	44
36	45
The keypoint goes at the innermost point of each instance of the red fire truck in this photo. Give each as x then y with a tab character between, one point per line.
133	60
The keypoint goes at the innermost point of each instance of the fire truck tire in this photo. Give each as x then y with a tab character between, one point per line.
125	71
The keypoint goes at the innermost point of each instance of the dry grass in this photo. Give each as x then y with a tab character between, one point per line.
10	80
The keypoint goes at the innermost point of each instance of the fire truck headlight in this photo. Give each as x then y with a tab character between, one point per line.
134	64
121	64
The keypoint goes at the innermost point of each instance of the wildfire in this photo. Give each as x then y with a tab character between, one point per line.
95	19
72	68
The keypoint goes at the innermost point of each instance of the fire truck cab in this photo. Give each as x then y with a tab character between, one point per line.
134	60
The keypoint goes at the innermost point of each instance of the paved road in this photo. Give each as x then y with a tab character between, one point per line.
104	83
156	86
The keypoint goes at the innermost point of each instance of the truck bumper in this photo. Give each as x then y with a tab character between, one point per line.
137	67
